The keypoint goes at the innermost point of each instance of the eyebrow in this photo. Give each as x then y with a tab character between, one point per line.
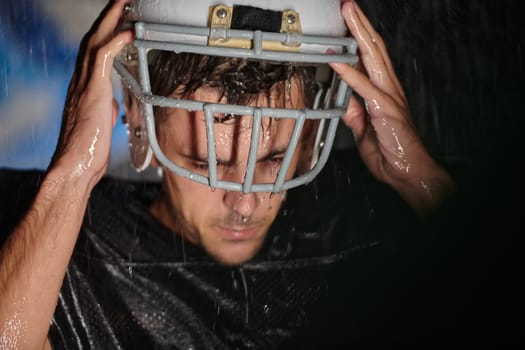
202	158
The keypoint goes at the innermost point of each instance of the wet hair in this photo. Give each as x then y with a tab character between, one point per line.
239	81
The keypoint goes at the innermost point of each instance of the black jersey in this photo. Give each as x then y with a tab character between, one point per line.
133	284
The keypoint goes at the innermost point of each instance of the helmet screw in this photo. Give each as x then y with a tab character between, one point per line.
222	13
128	7
290	19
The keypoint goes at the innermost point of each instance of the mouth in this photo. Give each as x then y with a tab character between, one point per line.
237	233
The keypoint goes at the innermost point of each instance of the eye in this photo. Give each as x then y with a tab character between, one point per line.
200	165
275	160
224	118
269	167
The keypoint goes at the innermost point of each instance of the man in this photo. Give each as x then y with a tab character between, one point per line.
124	265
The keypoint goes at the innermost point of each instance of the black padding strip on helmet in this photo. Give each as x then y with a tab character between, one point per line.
255	18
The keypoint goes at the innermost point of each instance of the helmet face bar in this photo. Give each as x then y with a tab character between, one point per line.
217	38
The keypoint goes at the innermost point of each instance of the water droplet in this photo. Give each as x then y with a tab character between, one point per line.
234	280
266	310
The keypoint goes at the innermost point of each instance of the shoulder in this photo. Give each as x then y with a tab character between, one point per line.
119	226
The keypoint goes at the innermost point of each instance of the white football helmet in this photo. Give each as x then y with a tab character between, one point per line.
280	31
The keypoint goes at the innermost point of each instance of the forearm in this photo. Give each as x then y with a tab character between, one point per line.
34	259
426	191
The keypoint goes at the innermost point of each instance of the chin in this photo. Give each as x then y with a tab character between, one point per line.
234	253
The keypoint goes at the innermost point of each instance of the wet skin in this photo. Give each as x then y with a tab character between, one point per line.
34	260
230	226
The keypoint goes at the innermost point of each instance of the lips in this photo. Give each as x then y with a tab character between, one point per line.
237	233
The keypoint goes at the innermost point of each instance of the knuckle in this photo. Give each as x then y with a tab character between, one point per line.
100	54
353	111
103	53
379	40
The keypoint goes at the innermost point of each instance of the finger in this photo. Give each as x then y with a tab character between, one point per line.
377	101
371	55
369	148
369	51
359	82
355	117
378	40
364	134
106	23
100	33
106	55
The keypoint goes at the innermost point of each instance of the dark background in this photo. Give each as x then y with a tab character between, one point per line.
462	64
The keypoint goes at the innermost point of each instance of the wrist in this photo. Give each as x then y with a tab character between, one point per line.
82	170
69	180
425	189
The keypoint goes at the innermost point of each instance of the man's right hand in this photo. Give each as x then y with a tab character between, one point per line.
34	259
90	111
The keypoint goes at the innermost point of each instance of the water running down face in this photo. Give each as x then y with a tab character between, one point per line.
229	226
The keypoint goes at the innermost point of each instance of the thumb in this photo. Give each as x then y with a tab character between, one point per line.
354	118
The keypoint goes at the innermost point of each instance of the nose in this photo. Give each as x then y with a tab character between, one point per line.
243	204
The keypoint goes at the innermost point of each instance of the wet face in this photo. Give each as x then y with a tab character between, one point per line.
230	226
